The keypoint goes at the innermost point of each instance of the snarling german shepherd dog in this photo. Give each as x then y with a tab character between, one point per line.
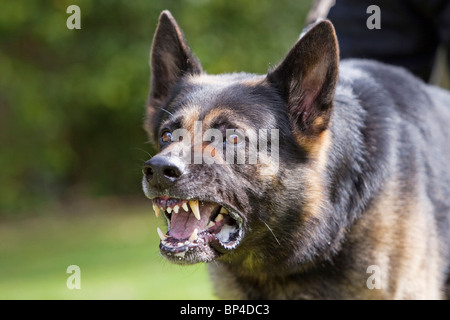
322	179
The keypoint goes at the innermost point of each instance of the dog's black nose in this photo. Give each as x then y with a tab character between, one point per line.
162	171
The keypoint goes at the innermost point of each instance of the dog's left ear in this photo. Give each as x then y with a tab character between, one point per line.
307	79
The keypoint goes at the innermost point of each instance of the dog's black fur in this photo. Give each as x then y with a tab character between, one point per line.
362	179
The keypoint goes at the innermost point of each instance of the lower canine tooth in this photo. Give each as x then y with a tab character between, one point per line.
219	217
194	208
193	236
223	211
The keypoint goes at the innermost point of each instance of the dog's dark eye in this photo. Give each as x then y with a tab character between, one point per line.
166	137
233	138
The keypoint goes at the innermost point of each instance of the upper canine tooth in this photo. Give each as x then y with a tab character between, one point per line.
176	208
157	211
194	207
223	211
185	207
162	236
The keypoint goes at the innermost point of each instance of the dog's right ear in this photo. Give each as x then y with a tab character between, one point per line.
171	59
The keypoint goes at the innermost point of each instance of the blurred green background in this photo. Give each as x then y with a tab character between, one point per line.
72	143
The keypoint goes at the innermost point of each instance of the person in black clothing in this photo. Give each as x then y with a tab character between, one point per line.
411	32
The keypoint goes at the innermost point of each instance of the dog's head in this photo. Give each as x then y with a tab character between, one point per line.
239	154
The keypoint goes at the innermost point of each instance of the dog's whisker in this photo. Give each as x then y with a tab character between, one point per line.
167	112
276	239
139	149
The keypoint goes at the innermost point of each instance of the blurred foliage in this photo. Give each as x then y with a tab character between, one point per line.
72	101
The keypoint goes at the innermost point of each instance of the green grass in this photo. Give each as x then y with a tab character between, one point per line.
116	250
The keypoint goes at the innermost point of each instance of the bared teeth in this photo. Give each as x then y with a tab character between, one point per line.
219	217
194	235
185	204
157	211
162	236
211	224
223	211
194	207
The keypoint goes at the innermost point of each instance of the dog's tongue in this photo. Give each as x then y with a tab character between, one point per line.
183	223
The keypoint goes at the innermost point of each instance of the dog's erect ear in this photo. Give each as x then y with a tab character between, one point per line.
171	58
307	79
